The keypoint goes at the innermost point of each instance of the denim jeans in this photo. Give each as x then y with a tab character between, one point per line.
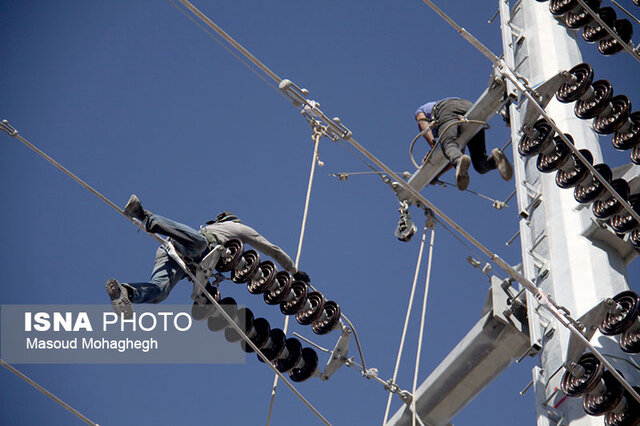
446	114
166	272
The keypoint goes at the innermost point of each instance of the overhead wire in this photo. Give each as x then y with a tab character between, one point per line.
317	135
422	321
4	125
406	321
47	393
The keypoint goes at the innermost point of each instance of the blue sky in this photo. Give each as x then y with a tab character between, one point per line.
135	98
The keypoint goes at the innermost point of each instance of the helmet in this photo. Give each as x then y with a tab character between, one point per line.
224	217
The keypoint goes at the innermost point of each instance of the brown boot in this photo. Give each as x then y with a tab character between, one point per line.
462	172
502	164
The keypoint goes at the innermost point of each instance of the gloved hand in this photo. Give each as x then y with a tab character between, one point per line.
302	276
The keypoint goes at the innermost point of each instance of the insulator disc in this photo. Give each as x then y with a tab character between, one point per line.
579	19
332	317
260	336
609	45
603	209
629	417
594	32
299	289
570	92
624	222
227	263
532	146
616	119
597	405
252	261
635	155
216	323
589	108
560	7
548	163
244	320
200	312
316	304
629	138
630	341
634	238
278	344
613	323
310	358
280	288
294	347
569	179
263	278
636	2
588	193
577	386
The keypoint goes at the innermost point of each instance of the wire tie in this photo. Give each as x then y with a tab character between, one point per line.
8	128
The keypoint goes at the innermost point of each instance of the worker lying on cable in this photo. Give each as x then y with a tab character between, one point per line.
446	113
191	245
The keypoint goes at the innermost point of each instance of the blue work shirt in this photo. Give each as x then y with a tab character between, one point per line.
427	109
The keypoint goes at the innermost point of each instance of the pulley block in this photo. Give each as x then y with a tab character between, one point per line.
250	260
612	121
592	190
312	309
328	320
295	299
305	368
575	386
280	288
596	103
230	256
263	279
573	90
621	319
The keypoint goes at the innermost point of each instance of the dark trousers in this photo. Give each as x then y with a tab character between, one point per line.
446	113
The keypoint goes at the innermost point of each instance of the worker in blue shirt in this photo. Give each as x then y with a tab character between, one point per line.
446	113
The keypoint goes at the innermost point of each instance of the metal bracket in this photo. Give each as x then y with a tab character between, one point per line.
204	271
588	323
8	128
545	92
338	355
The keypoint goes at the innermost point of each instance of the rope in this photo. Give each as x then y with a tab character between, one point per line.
317	135
424	308
406	323
174	255
46	392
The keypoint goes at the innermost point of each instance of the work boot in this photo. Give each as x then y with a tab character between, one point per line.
462	172
502	164
134	210
119	298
